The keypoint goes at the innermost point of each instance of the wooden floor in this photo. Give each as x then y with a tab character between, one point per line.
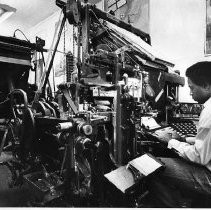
11	197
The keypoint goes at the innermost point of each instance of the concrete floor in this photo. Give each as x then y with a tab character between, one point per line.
11	197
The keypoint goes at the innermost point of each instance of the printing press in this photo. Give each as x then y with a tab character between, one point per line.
62	145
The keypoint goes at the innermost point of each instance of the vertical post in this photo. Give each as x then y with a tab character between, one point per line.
3	140
85	36
70	177
54	53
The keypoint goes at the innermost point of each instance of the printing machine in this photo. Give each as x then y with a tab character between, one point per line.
62	146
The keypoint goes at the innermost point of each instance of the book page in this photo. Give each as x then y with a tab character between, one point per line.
122	178
145	164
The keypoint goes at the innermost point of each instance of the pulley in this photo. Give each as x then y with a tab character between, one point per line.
84	128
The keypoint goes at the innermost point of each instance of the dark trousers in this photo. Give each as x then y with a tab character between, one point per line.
180	184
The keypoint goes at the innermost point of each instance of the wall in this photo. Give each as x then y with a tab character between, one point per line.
136	12
8	27
177	28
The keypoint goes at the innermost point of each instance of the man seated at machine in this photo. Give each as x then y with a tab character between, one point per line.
185	179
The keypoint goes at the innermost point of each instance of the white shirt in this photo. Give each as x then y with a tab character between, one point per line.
200	152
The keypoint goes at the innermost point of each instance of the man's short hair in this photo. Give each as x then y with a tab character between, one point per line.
200	73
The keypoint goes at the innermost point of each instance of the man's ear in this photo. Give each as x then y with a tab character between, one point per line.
207	87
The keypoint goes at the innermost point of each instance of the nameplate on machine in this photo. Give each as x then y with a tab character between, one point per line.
104	93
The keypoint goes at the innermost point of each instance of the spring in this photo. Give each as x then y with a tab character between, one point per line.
69	66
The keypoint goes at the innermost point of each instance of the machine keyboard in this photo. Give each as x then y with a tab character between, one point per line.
184	128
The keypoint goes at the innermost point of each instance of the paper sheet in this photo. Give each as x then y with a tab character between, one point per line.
145	164
150	123
122	178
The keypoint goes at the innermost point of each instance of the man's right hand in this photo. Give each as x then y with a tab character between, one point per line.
190	140
175	135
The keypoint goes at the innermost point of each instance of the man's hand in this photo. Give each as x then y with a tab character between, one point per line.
165	137
175	135
190	140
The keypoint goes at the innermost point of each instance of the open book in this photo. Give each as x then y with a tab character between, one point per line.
125	177
144	165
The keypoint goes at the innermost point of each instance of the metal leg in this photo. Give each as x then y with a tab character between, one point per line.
3	141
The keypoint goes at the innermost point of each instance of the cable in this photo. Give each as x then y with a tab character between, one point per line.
5	101
21	33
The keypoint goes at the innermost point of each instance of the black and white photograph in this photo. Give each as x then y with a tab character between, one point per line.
105	104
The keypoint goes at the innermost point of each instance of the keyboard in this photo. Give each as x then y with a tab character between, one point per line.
162	134
185	128
182	128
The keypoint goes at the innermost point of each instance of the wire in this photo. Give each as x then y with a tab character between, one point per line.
21	33
5	101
